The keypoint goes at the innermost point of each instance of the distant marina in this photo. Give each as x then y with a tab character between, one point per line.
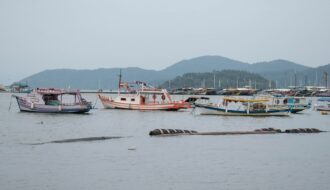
305	91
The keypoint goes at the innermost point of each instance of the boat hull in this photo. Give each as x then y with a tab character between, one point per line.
292	109
213	110
110	104
296	110
25	106
322	108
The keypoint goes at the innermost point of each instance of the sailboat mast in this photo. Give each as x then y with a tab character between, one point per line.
326	79
214	80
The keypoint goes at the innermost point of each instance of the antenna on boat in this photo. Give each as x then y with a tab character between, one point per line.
119	83
95	103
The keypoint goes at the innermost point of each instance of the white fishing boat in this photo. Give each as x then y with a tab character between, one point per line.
294	104
145	97
230	106
2	88
323	104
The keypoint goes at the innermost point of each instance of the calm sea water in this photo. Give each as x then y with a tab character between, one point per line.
281	161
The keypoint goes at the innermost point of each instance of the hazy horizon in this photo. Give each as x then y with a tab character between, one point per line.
39	35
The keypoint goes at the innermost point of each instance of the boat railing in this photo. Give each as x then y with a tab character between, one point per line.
70	104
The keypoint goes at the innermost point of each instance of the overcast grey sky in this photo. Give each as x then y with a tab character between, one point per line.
87	34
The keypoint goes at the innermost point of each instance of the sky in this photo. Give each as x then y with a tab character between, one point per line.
36	35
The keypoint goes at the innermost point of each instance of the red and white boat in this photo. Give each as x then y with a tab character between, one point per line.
144	98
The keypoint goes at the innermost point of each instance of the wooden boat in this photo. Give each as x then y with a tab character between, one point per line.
294	104
192	99
50	100
323	104
241	107
145	97
19	87
2	88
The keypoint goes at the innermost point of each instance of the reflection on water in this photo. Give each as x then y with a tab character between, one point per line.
282	161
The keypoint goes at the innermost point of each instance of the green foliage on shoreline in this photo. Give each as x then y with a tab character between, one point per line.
219	80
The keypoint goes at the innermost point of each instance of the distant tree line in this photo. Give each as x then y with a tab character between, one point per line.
219	80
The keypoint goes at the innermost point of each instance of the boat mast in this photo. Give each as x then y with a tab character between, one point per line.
295	79
214	80
119	82
326	79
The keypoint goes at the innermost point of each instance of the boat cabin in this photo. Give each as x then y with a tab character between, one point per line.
151	96
54	97
244	104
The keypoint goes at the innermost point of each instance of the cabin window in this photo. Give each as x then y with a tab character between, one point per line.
132	99
142	99
259	106
51	99
285	101
123	99
296	101
68	99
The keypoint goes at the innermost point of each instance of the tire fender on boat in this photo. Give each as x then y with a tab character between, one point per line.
59	108
32	105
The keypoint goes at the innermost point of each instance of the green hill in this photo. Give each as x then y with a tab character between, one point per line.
281	71
218	79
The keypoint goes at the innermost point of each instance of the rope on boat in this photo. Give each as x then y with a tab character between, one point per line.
95	102
195	111
172	132
11	100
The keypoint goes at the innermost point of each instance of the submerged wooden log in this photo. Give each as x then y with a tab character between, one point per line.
86	139
173	132
170	132
236	133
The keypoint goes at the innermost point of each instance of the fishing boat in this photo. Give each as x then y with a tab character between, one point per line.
20	87
145	97
192	99
323	104
50	100
231	106
294	104
2	88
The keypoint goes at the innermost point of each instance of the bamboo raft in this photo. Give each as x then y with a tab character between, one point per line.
263	131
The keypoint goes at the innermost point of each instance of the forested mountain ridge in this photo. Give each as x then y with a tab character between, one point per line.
281	71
